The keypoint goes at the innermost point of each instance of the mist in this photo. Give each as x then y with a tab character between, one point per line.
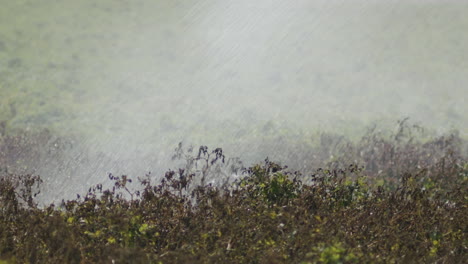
131	79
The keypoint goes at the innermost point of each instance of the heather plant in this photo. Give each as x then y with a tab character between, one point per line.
339	213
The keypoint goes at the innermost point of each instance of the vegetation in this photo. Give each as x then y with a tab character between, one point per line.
400	201
81	75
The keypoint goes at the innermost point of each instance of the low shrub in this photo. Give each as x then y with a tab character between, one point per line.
269	214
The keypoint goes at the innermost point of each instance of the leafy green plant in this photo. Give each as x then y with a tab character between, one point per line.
270	183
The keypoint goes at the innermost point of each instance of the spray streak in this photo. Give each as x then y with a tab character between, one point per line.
133	79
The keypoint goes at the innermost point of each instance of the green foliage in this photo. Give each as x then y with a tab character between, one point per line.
333	254
270	184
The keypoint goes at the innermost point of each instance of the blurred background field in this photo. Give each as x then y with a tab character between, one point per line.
131	79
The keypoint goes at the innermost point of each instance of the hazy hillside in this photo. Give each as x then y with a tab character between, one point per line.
133	78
